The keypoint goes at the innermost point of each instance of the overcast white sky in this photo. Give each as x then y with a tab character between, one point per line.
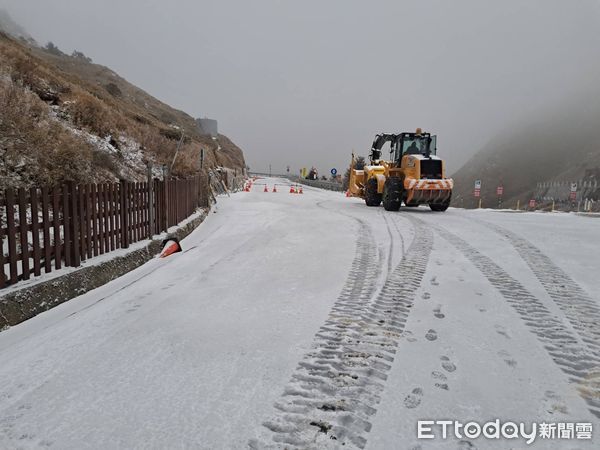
305	82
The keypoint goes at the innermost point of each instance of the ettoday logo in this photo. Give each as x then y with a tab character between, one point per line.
495	429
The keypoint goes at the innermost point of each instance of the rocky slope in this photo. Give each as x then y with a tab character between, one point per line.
66	118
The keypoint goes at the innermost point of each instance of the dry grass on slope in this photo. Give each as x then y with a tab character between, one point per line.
57	126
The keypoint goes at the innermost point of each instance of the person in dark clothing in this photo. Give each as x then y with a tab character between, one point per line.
413	149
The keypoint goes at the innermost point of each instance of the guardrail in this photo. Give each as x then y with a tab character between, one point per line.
321	184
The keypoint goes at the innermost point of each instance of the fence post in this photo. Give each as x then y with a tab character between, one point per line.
124	215
12	234
23	234
150	203
74	225
35	231
66	216
2	274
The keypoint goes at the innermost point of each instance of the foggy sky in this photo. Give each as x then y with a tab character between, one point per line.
305	82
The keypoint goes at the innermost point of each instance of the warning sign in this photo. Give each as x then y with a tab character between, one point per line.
500	191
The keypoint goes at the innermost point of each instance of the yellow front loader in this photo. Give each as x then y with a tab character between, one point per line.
413	174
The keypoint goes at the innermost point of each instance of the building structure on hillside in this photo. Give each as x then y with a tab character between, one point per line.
208	127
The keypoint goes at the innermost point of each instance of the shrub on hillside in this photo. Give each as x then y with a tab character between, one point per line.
89	112
80	55
35	149
51	48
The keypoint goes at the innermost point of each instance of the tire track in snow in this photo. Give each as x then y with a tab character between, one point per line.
391	246
336	388
574	359
580	309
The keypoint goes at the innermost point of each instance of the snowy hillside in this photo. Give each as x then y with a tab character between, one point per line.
66	118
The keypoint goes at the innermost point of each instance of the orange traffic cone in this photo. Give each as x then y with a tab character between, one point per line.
170	246
266	189
348	193
274	188
292	191
299	189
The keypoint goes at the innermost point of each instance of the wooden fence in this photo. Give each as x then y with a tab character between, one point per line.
46	229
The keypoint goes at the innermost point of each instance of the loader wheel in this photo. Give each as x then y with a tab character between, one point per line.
441	207
372	197
392	194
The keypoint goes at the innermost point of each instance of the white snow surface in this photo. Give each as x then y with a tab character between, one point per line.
207	348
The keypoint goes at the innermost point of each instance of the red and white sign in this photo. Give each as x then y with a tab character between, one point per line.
500	191
477	193
532	203
573	195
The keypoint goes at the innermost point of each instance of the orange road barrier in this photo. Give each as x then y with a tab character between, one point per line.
348	193
274	188
299	189
266	189
292	191
170	246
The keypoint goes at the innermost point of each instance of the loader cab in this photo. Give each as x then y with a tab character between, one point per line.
413	144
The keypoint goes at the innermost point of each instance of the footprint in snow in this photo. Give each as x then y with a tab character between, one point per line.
447	365
437	375
431	335
443	386
409	336
426	296
507	358
434	281
133	308
413	399
555	403
502	331
437	312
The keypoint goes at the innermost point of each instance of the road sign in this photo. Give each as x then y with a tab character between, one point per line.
573	187
573	195
477	193
288	169
500	191
333	172
532	203
477	184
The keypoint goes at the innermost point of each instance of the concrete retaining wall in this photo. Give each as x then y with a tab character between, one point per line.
22	304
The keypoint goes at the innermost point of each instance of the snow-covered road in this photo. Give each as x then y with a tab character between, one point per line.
313	321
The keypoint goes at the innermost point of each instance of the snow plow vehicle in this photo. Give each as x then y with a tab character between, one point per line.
413	174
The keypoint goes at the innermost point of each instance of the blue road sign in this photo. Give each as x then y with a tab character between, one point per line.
333	172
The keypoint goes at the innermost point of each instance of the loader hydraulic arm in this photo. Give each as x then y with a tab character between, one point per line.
379	142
